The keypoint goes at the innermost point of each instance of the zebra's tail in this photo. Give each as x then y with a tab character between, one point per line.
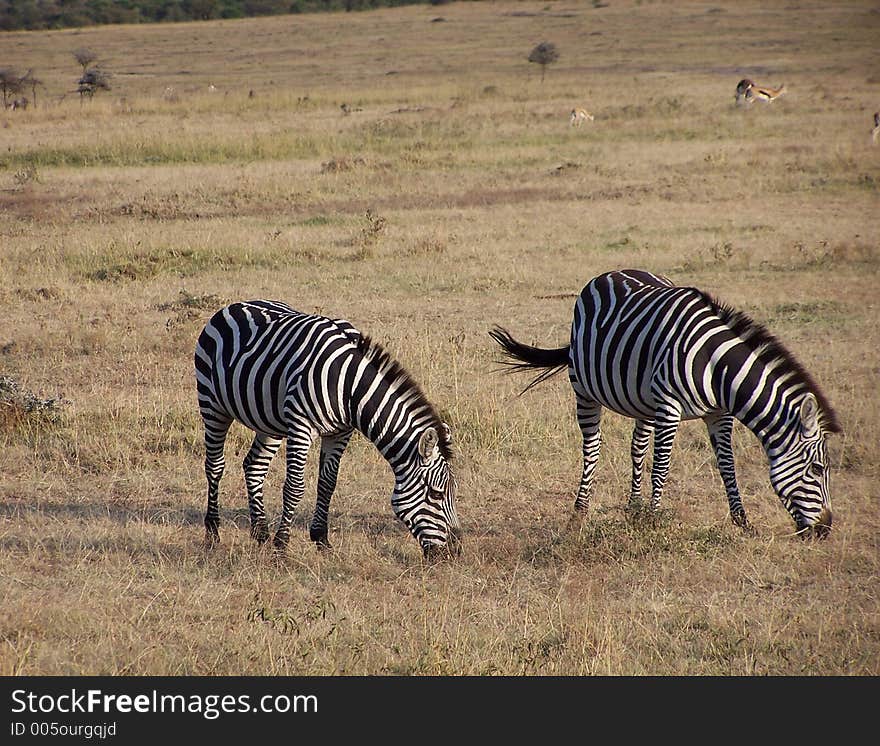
519	356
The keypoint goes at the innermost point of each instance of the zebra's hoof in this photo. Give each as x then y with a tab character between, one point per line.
637	512
212	539
260	533
739	519
319	536
280	545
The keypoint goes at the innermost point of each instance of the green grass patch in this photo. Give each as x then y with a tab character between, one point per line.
109	266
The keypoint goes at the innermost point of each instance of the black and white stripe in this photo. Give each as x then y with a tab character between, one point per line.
295	376
661	354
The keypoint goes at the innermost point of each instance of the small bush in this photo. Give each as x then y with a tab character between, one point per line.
371	233
18	406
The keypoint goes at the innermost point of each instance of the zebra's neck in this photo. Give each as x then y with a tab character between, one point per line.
392	421
757	380
763	396
388	407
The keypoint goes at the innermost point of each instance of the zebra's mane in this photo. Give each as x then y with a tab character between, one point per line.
393	370
770	350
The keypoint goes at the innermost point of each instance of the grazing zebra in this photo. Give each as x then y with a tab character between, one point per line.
749	92
286	374
579	116
661	354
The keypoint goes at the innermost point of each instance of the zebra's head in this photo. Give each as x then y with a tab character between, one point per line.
424	495
800	471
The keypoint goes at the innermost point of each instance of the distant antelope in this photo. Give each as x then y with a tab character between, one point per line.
876	131
579	116
747	90
19	103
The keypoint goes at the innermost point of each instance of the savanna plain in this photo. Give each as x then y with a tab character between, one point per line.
409	170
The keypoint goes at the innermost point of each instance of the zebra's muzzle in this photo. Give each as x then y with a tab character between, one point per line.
454	543
821	529
452	548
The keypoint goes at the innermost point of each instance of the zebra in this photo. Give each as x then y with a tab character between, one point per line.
660	354
287	374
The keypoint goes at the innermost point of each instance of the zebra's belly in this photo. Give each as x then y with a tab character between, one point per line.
278	416
260	419
635	402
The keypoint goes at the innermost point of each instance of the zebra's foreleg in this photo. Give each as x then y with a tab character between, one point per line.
299	439
332	448
641	439
720	435
215	438
589	417
665	427
255	465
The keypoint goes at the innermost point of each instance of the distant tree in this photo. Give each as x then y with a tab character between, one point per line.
85	57
10	84
30	81
92	81
544	54
202	10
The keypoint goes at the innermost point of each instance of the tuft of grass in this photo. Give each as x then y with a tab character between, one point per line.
371	233
143	263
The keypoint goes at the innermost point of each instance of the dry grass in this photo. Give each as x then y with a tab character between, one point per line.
452	196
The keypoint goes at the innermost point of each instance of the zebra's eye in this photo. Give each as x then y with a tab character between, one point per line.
435	494
817	470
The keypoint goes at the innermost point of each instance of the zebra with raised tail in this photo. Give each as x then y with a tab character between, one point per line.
295	376
660	354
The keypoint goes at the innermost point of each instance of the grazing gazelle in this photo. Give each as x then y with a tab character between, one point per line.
579	116
748	91
876	131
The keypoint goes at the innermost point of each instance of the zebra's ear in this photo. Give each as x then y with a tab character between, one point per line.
809	414
428	444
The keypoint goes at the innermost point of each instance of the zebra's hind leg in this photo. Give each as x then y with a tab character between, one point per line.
720	435
299	440
332	448
216	428
589	417
255	465
641	439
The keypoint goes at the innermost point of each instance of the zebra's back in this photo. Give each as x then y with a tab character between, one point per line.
252	355
636	338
